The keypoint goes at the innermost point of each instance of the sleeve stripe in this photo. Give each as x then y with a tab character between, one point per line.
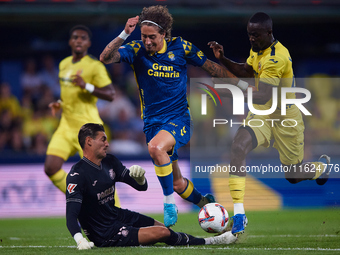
124	172
74	200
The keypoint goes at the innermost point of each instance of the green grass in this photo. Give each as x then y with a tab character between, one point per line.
277	232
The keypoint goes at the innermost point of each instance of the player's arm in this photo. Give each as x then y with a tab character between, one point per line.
72	212
215	70
242	70
107	93
262	95
110	54
135	177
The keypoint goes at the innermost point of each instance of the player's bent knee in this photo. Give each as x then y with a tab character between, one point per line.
50	170
154	151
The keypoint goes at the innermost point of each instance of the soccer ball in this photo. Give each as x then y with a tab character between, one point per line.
213	218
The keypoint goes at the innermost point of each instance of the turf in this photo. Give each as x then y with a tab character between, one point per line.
276	232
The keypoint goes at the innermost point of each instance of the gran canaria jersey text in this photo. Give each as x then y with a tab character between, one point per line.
163	71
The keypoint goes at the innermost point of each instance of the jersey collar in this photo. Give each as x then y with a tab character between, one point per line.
92	164
269	48
163	50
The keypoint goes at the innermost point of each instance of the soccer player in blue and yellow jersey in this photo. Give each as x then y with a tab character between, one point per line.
160	65
271	66
90	199
83	79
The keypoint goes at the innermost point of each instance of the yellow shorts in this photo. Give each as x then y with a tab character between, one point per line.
64	142
286	131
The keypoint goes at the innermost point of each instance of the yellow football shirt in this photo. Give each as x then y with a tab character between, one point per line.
273	66
78	103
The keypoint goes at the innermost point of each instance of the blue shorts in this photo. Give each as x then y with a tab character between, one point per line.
180	128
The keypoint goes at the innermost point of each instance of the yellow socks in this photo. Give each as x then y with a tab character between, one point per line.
59	180
237	186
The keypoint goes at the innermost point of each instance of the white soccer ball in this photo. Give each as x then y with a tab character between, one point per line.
213	218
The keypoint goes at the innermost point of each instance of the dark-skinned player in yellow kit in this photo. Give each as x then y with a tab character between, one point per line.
271	66
83	79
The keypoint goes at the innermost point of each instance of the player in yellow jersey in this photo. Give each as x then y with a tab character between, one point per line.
83	79
271	66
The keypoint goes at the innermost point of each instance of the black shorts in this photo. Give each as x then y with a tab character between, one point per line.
125	229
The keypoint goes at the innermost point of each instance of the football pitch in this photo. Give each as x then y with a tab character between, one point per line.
276	232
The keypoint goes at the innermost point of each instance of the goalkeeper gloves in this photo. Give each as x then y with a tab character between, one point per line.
82	243
137	173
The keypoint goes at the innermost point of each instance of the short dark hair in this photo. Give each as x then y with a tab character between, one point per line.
89	129
81	27
160	15
262	18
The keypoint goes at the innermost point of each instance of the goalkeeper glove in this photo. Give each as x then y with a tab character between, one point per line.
137	173
82	243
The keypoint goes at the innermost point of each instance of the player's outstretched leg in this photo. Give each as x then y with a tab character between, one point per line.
178	238
186	189
225	238
191	194
322	179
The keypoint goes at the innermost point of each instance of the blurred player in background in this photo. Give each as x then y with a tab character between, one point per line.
83	79
90	199
271	65
160	65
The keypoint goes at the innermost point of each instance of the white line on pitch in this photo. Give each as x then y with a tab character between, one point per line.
194	247
256	236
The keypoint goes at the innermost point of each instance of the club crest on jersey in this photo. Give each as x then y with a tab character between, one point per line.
71	187
171	55
112	174
260	66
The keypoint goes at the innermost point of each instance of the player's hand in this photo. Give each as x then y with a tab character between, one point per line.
131	24
55	107
217	49
78	80
83	244
137	173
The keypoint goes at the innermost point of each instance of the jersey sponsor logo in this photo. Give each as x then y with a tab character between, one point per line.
105	193
273	60
163	71
71	187
74	174
112	174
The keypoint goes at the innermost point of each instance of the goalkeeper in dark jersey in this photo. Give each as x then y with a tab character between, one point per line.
90	200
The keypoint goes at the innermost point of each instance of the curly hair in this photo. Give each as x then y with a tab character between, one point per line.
160	15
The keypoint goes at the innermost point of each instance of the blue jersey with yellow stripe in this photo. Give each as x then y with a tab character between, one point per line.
162	77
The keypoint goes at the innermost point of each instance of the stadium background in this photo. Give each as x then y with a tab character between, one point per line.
34	31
